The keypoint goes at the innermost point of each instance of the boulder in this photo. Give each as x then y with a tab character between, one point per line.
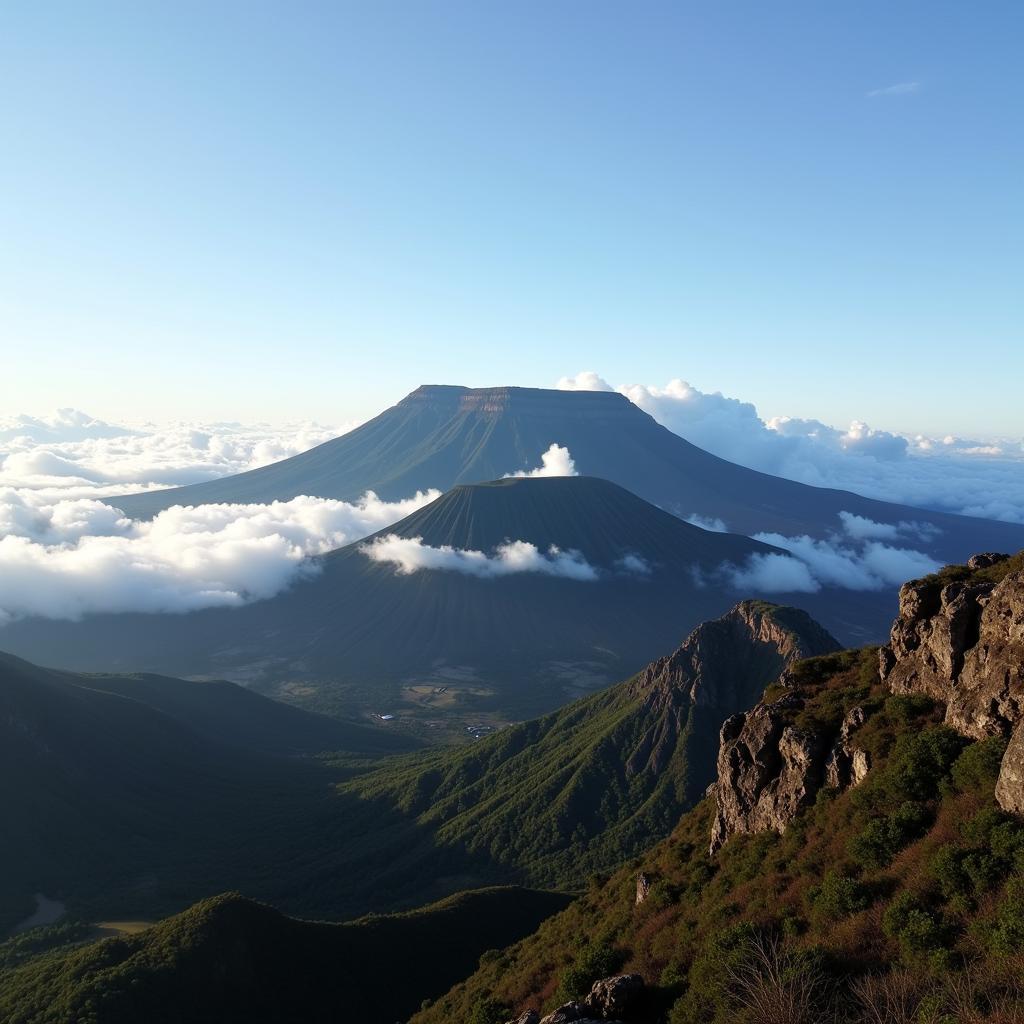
612	998
1010	784
768	771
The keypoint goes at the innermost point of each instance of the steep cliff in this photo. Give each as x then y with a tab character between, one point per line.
774	759
959	639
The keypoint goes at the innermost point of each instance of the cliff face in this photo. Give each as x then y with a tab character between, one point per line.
770	769
962	643
958	639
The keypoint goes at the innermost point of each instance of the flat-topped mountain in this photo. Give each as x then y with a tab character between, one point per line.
440	436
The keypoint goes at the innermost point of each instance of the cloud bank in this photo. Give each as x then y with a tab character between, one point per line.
410	555
71	455
949	474
556	461
857	559
69	558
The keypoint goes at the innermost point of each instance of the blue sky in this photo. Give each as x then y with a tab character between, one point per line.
275	210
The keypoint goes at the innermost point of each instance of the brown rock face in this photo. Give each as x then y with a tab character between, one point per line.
962	644
610	1001
847	764
1010	784
768	771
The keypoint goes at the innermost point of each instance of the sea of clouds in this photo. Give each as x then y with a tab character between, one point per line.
951	474
67	550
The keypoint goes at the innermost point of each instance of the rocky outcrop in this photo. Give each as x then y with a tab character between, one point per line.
847	764
643	887
615	1000
768	771
961	642
1010	784
722	667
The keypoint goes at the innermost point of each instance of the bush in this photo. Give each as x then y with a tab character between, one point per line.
489	1011
882	838
978	765
592	963
908	922
838	897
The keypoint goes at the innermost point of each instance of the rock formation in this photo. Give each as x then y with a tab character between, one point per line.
847	764
768	770
961	642
612	1000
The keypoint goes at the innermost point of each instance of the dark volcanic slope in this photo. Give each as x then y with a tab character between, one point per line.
440	436
537	637
229	960
138	794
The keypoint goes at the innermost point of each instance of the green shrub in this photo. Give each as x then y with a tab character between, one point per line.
592	962
908	922
882	838
977	767
1006	936
837	897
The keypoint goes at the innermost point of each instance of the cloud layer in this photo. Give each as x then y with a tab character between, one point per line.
410	555
856	559
72	557
70	454
949	474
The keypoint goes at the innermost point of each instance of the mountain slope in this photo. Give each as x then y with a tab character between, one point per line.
229	959
591	784
136	795
532	639
900	898
440	436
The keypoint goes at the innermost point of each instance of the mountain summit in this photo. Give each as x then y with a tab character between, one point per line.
441	435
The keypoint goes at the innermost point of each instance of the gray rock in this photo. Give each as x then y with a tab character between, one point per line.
1010	784
615	997
847	765
985	559
768	771
962	644
643	887
529	1017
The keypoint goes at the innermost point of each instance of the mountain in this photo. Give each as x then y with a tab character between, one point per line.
442	436
518	644
800	890
229	959
135	795
598	781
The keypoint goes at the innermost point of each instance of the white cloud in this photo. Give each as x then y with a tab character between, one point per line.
949	473
556	461
410	555
68	558
586	380
635	564
857	559
70	454
899	89
772	573
711	524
